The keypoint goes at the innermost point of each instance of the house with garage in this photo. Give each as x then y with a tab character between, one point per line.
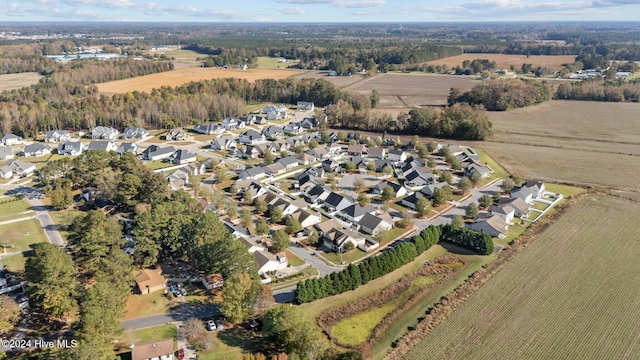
520	207
411	200
537	188
337	239
317	193
377	152
312	171
129	147
505	212
375	224
181	156
334	148
293	128
482	170
253	173
397	155
208	129
155	350
319	152
35	149
380	165
417	179
6	153
492	225
178	180
269	263
255	189
17	169
155	152
223	143
357	150
102	145
309	123
355	212
57	136
135	133
305	158
195	168
274	169
254	244
289	162
11	139
331	166
176	135
104	133
306	218
232	124
337	202
398	189
455	149
251	137
150	280
273	132
522	192
429	190
359	162
71	148
306	106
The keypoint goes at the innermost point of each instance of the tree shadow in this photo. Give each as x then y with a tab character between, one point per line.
242	337
454	249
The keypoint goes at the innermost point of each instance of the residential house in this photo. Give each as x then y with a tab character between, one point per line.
520	207
398	189
522	192
236	230
6	153
305	158
337	202
253	173
253	119
493	225
334	148
268	262
274	169
150	280
273	132
377	152
195	168
293	128
482	170
312	171
104	133
306	218
505	212
232	124
255	189
213	281
280	145
319	152
359	162
251	137
181	156
381	164
356	150
455	149
251	152
223	143
71	148
254	244
355	212
375	224
155	152
57	136
337	239
331	166
415	179
128	147
208	129
36	149
397	155
306	106
176	135
411	200
178	179
317	194
275	112
429	190
537	188
309	123
135	133
11	139
289	162
16	169
155	350
102	145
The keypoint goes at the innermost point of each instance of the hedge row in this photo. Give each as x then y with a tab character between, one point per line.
477	241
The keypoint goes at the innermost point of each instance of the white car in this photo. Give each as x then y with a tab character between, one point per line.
211	325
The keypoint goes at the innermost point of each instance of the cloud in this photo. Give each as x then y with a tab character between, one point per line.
291	10
306	1
609	3
337	3
161	10
109	4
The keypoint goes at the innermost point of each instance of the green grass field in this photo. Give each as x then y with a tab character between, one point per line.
265	62
158	164
21	234
14	262
572	294
13	207
156	333
498	170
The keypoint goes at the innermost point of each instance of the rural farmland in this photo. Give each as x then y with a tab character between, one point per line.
186	75
573	294
16	81
580	148
504	61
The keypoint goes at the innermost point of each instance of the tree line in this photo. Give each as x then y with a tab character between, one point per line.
501	95
479	242
599	90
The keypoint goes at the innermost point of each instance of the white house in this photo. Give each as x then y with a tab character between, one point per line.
355	212
57	136
17	169
104	133
493	225
268	262
397	155
505	212
71	148
523	193
155	152
35	149
176	135
251	137
135	133
6	153
306	106
102	145
306	218
374	224
337	202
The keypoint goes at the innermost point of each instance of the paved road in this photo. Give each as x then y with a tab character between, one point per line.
34	196
306	256
182	313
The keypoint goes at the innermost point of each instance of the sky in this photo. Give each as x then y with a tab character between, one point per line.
397	11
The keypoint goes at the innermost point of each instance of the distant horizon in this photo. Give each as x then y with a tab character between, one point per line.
318	11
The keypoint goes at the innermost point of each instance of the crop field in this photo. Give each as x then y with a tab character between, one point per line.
504	61
182	76
411	90
338	81
572	294
265	62
573	141
17	81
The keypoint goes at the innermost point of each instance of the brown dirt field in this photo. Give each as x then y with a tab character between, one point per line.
414	89
338	81
572	141
504	61
16	81
186	75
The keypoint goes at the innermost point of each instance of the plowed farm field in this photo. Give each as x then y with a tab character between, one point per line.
504	61
574	293
182	76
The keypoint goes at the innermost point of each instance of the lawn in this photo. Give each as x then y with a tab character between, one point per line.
293	259
346	257
266	62
231	343
145	305
158	164
539	206
14	262
566	190
157	333
514	232
498	170
13	207
572	294
22	234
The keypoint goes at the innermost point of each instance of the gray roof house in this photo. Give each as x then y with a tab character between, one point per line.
16	169
355	212
251	137
181	156
374	224
6	153
11	139
492	225
35	149
176	135
57	136
411	200
306	106
208	129
520	207
135	133
273	132
398	189
288	161
416	179
102	145
337	202
71	148
377	152
104	133
430	189
223	143
155	152
128	147
253	173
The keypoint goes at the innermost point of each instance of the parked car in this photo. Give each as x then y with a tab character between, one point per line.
211	325
219	324
281	275
181	354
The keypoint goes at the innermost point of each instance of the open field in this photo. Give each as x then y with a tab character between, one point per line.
145	305
21	234
573	141
411	90
182	76
13	207
15	262
17	81
572	294
265	62
338	81
504	61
